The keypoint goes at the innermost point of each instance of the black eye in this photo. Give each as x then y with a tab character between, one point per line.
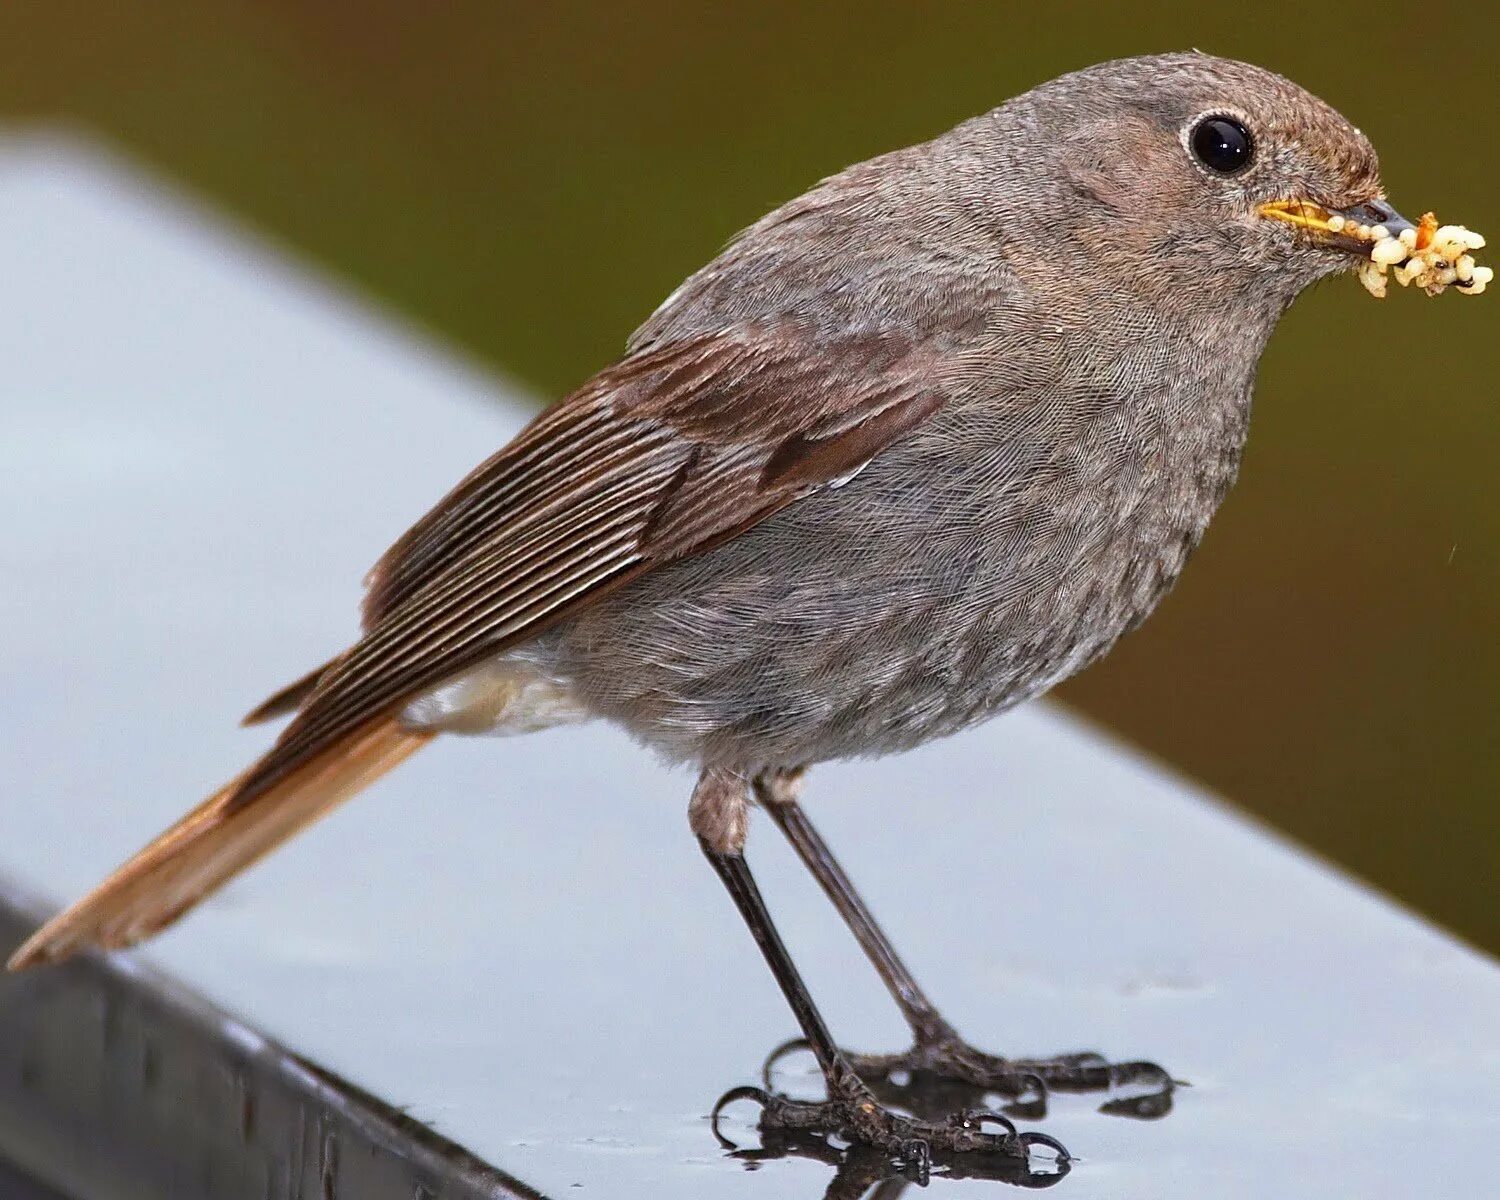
1222	145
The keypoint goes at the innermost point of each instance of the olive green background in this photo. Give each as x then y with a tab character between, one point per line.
530	180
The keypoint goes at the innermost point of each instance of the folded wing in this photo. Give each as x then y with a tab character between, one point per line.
664	455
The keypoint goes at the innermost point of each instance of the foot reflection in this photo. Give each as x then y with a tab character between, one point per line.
864	1172
947	1086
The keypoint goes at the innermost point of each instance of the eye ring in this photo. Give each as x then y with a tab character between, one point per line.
1221	144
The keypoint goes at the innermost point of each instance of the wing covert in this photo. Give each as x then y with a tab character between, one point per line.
663	455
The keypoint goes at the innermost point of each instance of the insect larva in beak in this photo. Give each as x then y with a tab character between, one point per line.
1433	257
1373	278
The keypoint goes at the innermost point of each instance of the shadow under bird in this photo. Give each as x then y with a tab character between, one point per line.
916	446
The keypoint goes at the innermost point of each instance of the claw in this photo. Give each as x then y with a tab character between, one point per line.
733	1095
786	1049
1030	1104
1152	1102
1036	1138
977	1118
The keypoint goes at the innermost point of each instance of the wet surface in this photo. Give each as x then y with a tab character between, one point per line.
518	941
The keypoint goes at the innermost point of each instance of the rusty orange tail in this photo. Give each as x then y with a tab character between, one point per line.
213	843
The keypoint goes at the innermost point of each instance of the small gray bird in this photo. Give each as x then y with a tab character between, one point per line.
916	446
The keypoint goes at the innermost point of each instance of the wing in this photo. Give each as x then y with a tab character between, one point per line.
664	455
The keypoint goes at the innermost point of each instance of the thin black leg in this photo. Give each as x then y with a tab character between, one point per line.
920	1013
851	1110
939	1052
735	872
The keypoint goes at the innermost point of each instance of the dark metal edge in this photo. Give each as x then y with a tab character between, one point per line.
118	1082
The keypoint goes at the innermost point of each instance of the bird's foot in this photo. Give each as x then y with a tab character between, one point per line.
941	1072
970	1143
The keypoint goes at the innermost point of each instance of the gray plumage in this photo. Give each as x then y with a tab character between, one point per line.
914	447
1094	337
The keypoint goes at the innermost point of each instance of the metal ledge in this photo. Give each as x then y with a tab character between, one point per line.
117	1083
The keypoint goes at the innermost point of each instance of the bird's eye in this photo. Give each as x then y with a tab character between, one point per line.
1222	145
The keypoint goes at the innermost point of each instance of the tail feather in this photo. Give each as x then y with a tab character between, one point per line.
213	843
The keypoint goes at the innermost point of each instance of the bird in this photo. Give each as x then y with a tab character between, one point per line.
914	447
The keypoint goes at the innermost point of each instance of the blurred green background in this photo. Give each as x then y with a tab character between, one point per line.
530	180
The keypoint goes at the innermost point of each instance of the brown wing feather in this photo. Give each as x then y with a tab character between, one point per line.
665	455
287	699
659	457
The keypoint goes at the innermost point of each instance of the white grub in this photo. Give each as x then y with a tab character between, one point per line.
1457	235
1433	257
1373	278
1405	271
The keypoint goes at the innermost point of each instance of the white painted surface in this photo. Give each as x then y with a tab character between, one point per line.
201	450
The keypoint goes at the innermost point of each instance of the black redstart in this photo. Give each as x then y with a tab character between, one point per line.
916	446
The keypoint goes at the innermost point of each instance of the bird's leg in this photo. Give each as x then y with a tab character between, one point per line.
938	1054
717	815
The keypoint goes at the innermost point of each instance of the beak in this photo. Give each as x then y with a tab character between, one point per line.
1354	228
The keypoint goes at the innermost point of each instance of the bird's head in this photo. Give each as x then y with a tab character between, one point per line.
1188	178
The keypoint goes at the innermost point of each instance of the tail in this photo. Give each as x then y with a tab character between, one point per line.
216	841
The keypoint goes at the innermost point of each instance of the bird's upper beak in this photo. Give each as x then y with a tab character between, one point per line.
1353	228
